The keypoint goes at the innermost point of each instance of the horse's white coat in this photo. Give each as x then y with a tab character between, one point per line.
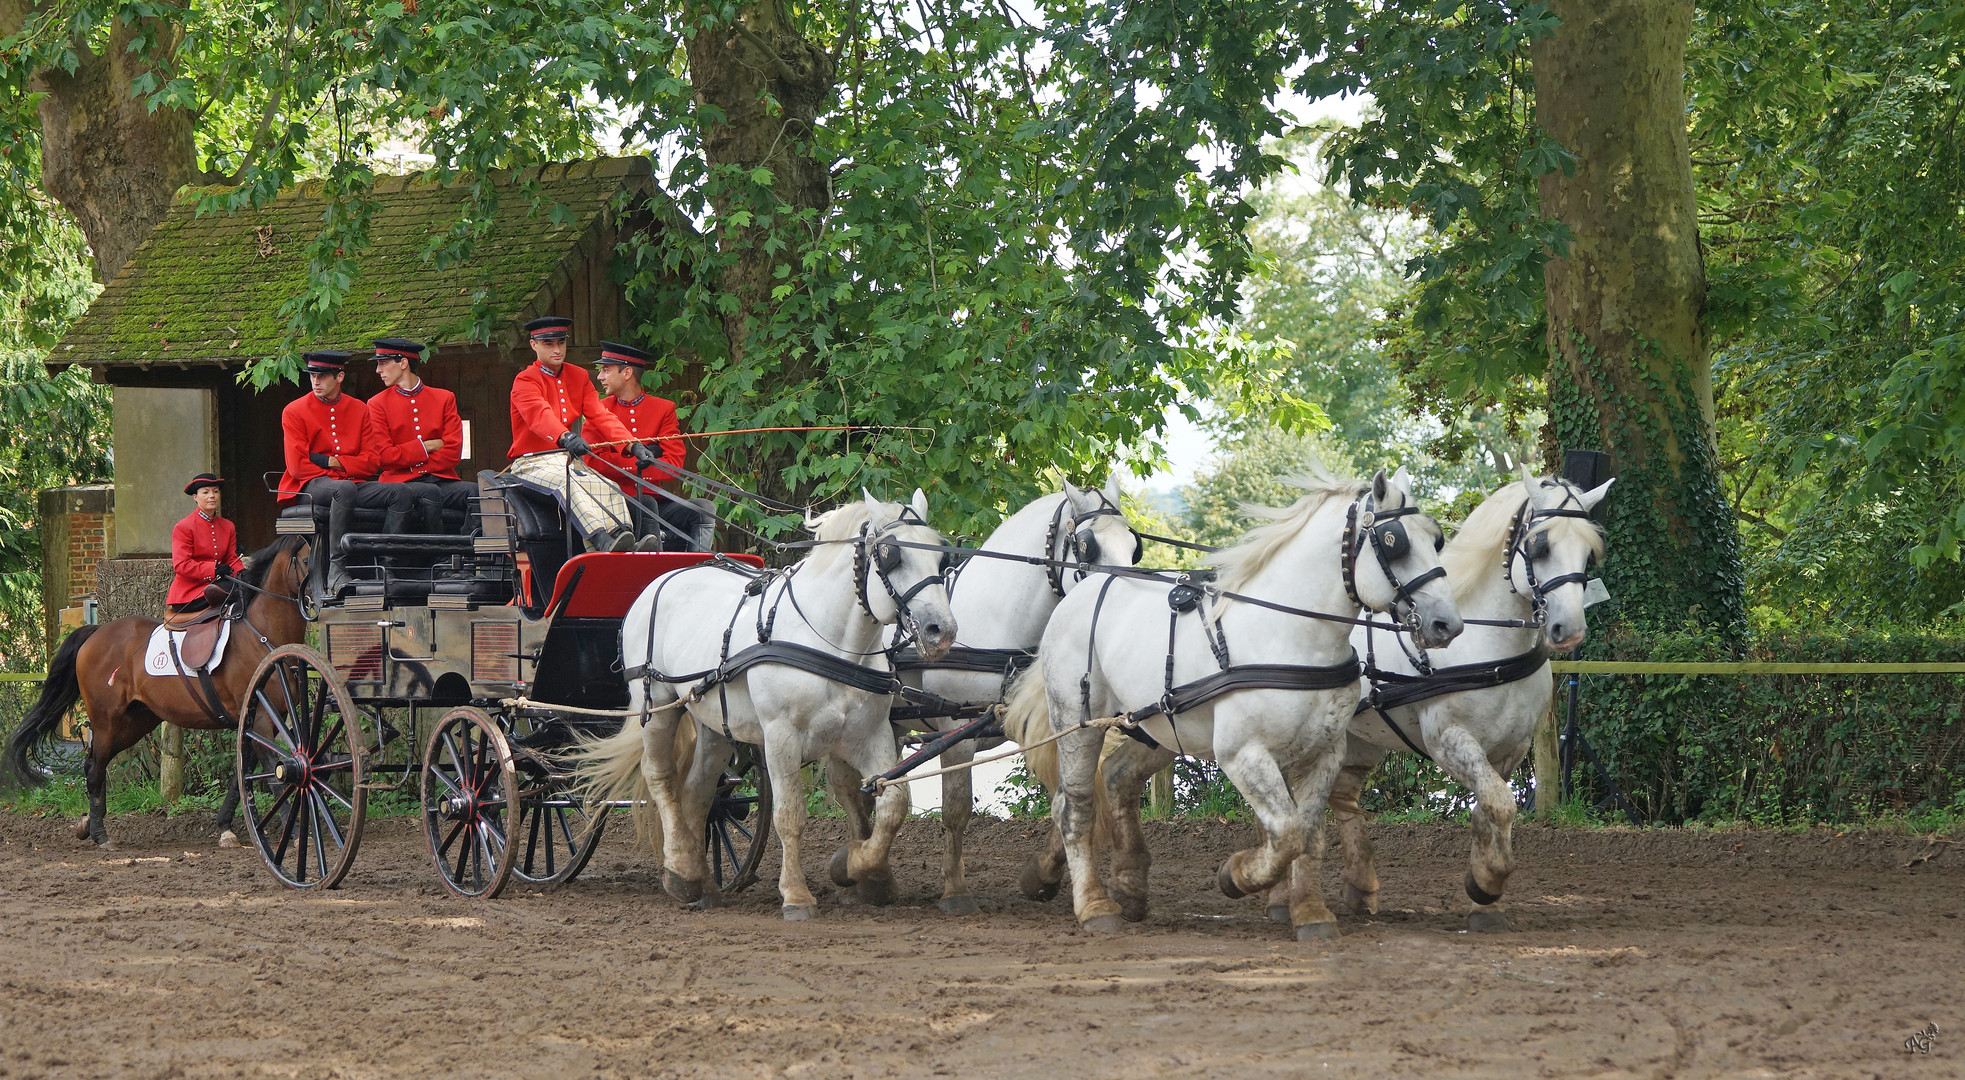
1281	748
1477	736
1002	604
795	716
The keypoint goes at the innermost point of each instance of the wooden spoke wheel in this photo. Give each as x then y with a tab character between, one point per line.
556	832
470	798
739	823
300	769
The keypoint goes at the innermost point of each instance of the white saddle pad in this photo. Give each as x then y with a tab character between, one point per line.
157	655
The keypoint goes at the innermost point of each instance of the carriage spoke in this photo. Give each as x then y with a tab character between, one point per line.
279	728
465	852
338	797
286	829
314	740
314	815
444	779
300	842
443	849
255	737
334	830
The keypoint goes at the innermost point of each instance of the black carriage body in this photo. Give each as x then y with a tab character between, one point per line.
567	655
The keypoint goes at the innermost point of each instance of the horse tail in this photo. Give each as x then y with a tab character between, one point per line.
1027	721
58	695
610	770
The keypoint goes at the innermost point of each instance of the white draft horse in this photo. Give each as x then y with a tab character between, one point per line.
1522	555
684	627
1002	607
1343	546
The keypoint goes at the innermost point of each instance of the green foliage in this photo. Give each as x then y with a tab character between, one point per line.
1826	147
965	272
1780	749
54	429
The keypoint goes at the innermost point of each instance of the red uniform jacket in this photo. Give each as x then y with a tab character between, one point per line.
544	407
341	430
648	418
404	419
198	545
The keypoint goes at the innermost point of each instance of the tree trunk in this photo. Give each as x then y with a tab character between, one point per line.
1629	369
108	159
770	84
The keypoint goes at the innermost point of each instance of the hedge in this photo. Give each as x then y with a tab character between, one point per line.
1776	749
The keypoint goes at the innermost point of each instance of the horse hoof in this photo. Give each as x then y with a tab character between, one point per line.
878	891
1102	924
958	905
707	902
106	845
1226	880
681	887
1034	887
228	839
1280	913
1359	901
1489	921
1317	931
800	912
837	868
1479	895
1132	908
82	829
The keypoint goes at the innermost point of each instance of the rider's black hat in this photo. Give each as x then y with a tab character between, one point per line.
203	479
327	362
396	346
550	328
612	352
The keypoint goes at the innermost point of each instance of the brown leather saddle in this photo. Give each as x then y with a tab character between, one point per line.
201	628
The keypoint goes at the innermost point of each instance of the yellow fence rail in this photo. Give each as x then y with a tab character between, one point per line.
23	676
1620	667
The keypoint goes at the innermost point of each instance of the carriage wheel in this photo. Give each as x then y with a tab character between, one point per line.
556	833
300	769
470	795
739	824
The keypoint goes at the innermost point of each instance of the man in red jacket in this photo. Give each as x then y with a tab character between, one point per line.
331	451
420	433
667	519
547	397
204	547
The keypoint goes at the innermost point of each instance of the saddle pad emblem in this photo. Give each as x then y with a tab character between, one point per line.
158	655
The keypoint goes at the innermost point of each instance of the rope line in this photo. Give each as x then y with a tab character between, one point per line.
883	784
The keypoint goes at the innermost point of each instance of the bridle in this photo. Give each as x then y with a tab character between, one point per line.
1389	542
1081	545
875	557
1530	544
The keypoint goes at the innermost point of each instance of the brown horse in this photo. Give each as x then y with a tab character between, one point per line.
103	665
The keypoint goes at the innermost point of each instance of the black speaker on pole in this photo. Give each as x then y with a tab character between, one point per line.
1585	468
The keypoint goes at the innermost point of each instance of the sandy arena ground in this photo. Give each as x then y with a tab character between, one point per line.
1655	954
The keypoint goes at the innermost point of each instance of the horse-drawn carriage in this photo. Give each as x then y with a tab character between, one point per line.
451	678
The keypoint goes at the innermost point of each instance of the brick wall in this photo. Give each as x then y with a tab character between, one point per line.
77	526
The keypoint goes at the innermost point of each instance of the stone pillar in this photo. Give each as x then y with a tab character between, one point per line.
76	524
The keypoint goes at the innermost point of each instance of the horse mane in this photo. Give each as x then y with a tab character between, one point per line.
840	523
1257	547
260	562
1476	549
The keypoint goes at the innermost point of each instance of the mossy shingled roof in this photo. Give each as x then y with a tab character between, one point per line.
208	289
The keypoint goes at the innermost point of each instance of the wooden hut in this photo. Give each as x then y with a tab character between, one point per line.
201	300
